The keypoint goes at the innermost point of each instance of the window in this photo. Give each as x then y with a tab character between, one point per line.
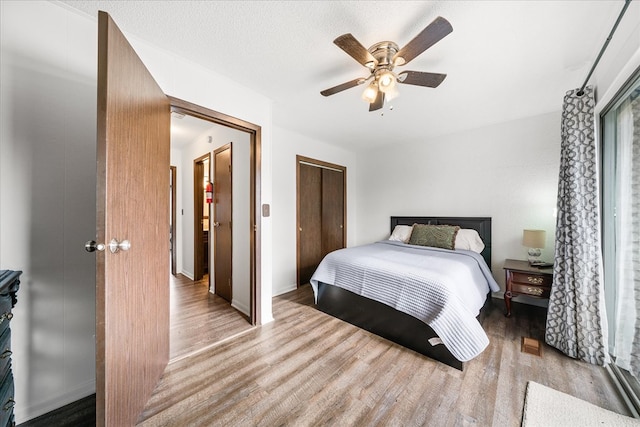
621	232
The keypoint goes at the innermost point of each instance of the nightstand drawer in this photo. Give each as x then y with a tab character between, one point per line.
531	279
533	290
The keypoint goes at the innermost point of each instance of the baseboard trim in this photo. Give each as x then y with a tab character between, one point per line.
240	307
284	290
26	412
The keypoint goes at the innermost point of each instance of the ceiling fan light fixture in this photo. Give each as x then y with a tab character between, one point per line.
392	93
386	81
370	93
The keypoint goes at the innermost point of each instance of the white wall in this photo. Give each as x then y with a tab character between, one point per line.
507	171
241	164
47	170
621	58
286	145
47	188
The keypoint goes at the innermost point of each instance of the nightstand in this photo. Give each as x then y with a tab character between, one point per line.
522	279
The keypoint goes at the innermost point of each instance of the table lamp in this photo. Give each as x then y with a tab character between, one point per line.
534	240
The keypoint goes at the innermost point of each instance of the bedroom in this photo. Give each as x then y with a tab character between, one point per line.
515	154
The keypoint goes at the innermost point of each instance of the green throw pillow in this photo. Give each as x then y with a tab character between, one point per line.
436	236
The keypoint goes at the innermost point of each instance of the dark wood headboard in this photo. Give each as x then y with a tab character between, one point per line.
481	224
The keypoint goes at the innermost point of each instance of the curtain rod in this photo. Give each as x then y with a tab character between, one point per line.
604	47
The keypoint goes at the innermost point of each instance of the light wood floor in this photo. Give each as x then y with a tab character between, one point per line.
308	368
199	318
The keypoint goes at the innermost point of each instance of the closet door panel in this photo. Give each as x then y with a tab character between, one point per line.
309	221
332	210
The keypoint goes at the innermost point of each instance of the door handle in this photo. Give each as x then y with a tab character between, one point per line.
92	246
216	224
114	246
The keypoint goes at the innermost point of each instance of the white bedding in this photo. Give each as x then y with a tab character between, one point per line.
443	288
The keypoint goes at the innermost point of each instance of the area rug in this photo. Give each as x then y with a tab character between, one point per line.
546	407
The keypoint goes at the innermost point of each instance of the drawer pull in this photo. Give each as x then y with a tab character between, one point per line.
10	404
535	291
6	354
535	280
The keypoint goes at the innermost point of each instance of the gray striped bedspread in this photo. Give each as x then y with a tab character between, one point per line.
445	289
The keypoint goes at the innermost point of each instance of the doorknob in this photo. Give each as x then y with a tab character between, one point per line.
92	246
216	224
115	246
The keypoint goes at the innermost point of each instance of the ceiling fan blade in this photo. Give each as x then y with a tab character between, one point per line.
378	103
353	48
343	86
420	78
431	35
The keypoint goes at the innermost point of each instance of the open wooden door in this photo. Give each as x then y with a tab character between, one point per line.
132	285
222	225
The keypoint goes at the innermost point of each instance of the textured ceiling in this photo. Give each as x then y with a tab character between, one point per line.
504	60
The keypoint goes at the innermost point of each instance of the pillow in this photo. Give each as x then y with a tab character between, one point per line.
469	239
436	236
401	233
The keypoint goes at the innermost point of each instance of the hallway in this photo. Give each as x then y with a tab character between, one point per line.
199	318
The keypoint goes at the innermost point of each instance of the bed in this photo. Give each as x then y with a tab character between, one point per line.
340	289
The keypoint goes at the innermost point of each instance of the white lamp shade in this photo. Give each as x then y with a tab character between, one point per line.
386	81
534	238
370	93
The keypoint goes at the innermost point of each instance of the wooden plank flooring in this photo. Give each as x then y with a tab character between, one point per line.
308	368
199	318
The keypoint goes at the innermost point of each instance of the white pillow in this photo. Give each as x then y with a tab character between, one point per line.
469	239
401	233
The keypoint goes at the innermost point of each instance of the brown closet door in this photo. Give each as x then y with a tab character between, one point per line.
321	213
309	221
332	210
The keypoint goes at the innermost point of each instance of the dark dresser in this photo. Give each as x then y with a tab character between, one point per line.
9	284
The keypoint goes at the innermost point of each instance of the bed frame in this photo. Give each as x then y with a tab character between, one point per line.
390	323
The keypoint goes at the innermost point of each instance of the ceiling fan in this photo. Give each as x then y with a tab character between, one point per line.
383	57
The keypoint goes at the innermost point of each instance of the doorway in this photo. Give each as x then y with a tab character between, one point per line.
173	172
201	174
247	230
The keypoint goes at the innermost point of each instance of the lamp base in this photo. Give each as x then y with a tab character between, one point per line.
534	256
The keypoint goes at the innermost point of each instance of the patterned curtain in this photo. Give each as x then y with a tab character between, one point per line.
576	324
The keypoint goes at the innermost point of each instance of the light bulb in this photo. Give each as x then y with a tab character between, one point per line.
370	93
386	81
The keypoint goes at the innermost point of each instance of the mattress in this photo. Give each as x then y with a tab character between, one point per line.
443	288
